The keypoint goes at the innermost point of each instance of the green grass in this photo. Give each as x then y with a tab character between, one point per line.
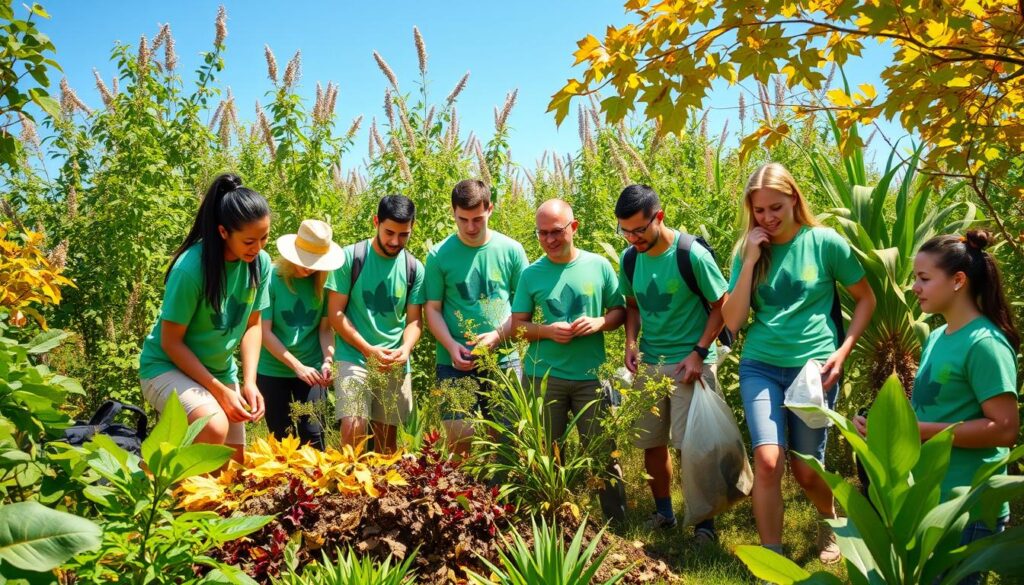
714	564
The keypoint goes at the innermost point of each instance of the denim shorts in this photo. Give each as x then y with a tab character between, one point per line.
448	372
763	389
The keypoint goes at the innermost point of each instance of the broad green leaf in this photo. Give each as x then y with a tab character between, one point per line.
228	529
45	102
46	341
196	460
893	435
999	553
170	428
771	566
36	538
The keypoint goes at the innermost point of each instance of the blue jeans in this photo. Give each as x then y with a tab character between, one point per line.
448	372
977	531
763	389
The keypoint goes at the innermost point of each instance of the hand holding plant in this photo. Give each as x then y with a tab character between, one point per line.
587	326
560	332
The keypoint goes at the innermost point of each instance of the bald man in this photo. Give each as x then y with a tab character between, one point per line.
579	299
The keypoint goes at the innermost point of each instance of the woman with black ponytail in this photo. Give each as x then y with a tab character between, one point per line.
968	369
217	285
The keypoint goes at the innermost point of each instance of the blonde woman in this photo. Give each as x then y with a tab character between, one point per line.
785	271
298	343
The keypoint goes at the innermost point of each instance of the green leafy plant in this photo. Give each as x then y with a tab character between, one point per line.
348	568
36	539
886	222
542	473
24	46
548	561
31	401
145	540
902	532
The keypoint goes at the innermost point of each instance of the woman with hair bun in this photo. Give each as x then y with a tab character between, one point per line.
968	370
216	287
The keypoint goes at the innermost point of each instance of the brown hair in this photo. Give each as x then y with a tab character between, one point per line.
770	176
967	254
470	193
286	270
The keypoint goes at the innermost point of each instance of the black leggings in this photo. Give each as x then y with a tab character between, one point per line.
278	394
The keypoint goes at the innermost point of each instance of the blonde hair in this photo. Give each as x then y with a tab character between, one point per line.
286	270
770	176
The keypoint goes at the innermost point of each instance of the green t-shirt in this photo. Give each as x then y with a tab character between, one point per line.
295	316
672	318
377	303
584	287
792	306
474	285
213	338
958	372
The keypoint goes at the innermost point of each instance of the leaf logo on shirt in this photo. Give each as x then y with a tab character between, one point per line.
926	389
786	292
477	287
230	315
380	300
653	301
298	315
568	306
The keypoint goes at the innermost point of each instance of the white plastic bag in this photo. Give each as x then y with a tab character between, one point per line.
806	390
715	470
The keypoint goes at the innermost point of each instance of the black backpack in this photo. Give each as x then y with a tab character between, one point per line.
359	259
683	246
128	438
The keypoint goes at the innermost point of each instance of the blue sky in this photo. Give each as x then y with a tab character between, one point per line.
524	45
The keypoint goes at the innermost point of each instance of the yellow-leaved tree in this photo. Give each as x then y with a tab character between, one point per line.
956	78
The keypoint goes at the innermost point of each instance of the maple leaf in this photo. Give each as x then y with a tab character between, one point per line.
569	305
653	301
477	286
784	292
380	300
230	316
298	315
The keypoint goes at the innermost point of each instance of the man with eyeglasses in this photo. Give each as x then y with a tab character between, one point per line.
578	295
470	280
676	334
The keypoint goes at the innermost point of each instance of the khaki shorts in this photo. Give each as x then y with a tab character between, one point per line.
390	405
669	425
192	395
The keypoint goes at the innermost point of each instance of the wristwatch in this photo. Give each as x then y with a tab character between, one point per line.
701	351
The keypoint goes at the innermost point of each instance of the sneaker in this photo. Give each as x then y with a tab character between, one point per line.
705	533
658	521
828	550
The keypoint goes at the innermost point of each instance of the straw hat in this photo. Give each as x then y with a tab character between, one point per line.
312	247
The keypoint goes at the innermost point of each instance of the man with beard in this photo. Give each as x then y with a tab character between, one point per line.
375	307
679	331
578	295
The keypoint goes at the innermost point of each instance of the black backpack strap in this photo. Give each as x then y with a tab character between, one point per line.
106	413
109	410
358	259
836	315
629	264
410	275
683	246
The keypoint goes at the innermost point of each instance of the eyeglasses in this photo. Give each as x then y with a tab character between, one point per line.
555	233
637	232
